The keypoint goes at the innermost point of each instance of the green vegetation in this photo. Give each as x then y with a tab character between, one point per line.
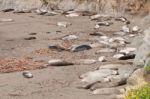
147	66
141	91
45	2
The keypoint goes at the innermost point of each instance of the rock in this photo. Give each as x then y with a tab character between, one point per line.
105	50
118	56
27	74
81	47
58	62
102	59
63	24
70	37
125	29
147	65
30	38
128	50
8	10
106	91
86	61
56	48
143	49
6	20
98	75
135	29
136	76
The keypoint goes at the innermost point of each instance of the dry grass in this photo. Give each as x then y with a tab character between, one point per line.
14	65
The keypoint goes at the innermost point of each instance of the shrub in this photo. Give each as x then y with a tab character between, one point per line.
141	91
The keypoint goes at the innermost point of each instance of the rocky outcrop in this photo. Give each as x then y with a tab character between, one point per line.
103	6
143	51
20	4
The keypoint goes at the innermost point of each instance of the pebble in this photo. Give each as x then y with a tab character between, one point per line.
81	47
27	74
59	62
63	24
